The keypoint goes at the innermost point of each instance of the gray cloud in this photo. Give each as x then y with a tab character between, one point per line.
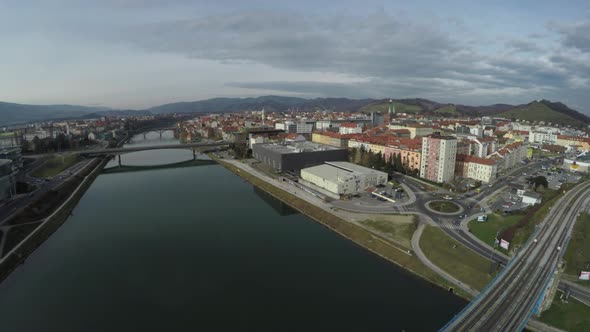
576	35
396	57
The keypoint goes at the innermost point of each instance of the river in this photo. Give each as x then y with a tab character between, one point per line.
198	249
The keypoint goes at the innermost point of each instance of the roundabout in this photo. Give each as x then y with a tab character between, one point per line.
443	207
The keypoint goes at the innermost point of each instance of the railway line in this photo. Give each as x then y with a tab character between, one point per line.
510	299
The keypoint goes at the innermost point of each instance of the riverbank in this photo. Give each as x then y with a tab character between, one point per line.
366	239
48	225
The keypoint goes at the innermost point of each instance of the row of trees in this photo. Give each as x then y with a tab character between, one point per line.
378	161
60	143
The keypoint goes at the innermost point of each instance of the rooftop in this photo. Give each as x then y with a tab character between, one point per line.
339	170
297	147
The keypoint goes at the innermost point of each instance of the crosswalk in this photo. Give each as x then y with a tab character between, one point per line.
450	226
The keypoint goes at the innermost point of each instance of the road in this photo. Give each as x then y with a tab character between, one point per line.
150	147
22	201
509	301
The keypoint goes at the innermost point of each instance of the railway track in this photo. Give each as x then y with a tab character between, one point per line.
508	301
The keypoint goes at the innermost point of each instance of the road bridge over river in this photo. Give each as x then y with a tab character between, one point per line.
118	151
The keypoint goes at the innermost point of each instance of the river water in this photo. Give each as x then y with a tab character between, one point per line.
198	249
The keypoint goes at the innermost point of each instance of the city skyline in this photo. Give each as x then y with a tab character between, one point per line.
137	54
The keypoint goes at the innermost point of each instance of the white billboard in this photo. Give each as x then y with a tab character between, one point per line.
504	244
584	275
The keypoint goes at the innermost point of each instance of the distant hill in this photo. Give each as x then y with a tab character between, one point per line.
546	111
11	113
543	110
270	103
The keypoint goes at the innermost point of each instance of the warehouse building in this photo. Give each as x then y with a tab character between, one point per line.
343	178
296	155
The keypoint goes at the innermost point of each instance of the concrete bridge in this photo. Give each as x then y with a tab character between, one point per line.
120	151
159	130
140	168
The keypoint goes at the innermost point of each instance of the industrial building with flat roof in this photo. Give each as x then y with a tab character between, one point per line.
297	155
343	178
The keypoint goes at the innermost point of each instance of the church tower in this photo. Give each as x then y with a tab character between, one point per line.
391	111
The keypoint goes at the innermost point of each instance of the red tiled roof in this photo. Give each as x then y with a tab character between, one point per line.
574	138
476	160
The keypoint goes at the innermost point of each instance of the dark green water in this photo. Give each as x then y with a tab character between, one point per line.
196	249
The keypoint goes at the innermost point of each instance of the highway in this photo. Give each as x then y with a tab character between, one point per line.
509	301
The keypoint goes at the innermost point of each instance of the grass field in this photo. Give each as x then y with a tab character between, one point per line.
487	231
444	206
447	110
456	259
399	229
537	111
571	316
56	165
577	256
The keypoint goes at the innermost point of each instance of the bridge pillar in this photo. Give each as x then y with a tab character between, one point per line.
119	159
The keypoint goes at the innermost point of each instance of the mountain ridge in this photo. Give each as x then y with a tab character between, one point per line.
556	112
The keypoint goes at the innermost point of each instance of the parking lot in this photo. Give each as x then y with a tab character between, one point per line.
382	196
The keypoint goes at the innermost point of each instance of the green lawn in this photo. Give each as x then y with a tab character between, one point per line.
56	165
400	231
456	259
444	206
577	256
571	316
487	231
448	110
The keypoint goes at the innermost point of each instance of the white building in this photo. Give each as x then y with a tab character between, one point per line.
288	126
549	137
343	178
305	127
350	128
530	198
478	169
439	154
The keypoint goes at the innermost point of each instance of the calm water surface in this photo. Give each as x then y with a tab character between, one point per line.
198	249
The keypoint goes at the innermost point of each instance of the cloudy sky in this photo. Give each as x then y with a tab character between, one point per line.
141	53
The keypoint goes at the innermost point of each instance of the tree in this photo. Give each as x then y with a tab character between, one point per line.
538	181
352	155
25	146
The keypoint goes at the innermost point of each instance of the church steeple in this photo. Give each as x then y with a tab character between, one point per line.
391	111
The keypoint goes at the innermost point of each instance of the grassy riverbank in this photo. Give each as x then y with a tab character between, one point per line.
55	165
400	229
363	237
66	197
456	259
